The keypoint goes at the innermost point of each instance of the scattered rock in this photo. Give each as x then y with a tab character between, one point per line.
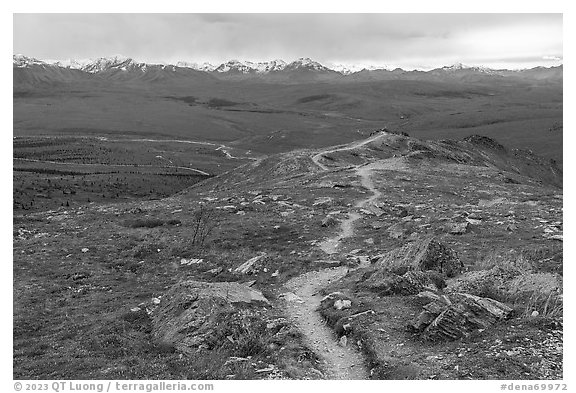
323	202
191	261
291	297
248	266
343	341
328	221
511	227
458	228
84	250
376	211
397	231
473	221
401	211
216	270
377	225
490	202
367	212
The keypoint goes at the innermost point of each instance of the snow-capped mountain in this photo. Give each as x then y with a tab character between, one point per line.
118	62
302	70
306	63
74	64
248	67
235	66
270	66
206	67
462	67
347	69
21	61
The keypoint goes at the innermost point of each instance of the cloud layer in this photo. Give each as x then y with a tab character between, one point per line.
405	40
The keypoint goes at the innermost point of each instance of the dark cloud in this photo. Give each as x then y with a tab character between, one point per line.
394	39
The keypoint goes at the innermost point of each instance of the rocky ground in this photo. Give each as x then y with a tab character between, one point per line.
99	293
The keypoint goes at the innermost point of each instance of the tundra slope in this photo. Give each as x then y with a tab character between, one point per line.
271	205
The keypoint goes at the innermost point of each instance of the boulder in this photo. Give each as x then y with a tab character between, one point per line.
342	304
422	255
191	311
450	317
412	282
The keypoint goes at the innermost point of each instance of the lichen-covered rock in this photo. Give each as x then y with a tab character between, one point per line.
422	255
457	315
191	311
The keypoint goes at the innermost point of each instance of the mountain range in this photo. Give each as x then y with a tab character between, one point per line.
302	69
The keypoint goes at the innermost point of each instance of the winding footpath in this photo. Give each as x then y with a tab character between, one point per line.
303	299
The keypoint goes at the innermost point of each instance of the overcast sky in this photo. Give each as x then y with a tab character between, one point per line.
399	40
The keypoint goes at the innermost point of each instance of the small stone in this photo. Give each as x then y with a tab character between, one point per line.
85	249
341	304
343	341
534	314
155	300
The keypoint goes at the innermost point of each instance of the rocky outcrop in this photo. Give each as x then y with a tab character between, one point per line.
449	317
190	313
422	255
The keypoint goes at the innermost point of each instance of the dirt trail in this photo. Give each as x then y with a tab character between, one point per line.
301	304
330	245
303	299
316	158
